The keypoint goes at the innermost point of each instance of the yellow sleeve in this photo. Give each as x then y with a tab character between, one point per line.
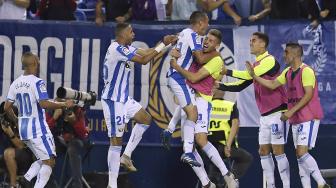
264	66
214	66
282	77
308	77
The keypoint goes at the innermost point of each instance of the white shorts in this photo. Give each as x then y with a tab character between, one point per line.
117	114
204	111
305	134
183	92
43	147
272	130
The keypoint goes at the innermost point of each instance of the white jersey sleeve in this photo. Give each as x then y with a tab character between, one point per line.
11	93
125	53
40	91
194	41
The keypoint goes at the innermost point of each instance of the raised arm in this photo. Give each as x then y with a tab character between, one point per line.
271	84
235	86
144	56
259	70
99	13
266	11
210	5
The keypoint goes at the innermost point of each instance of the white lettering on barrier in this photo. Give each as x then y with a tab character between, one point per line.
84	65
6	72
47	43
68	62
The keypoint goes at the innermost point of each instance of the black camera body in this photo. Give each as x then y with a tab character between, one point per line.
89	98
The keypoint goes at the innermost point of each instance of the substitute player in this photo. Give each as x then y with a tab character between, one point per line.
31	97
272	132
118	107
304	109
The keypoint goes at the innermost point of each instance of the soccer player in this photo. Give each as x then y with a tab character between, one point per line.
190	47
31	97
202	79
304	109
118	107
272	132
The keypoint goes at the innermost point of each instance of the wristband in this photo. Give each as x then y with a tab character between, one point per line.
160	47
167	47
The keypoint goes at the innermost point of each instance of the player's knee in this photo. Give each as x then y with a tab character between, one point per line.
116	141
263	151
191	112
278	150
9	153
201	141
300	153
50	162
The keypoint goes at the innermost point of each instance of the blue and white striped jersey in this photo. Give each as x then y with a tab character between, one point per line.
188	42
26	91
117	72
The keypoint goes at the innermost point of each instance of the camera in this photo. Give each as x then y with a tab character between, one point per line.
89	98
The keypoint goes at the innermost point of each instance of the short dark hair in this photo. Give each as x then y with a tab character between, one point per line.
25	56
263	37
217	33
197	16
120	28
296	46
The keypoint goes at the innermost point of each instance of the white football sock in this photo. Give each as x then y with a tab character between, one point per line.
113	161
215	158
135	138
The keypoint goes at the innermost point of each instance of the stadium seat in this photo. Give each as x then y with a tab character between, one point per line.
89	13
80	15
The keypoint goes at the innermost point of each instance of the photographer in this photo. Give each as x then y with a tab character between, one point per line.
69	127
17	158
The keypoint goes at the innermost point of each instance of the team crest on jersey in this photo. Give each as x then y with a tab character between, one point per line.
198	40
125	51
43	87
